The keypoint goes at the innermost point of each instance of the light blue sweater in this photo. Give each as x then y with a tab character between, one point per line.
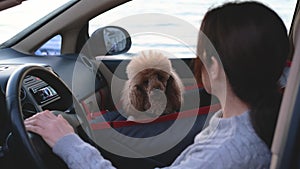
227	143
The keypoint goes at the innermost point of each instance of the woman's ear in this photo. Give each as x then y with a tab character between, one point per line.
218	79
215	68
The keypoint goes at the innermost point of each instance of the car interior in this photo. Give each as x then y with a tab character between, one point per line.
285	149
84	82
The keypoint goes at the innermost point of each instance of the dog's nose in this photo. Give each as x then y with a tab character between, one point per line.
154	83
156	88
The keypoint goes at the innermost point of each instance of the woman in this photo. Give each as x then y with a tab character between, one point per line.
252	44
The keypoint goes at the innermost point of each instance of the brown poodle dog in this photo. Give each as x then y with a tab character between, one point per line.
153	88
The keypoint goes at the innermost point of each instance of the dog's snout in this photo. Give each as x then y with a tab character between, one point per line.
155	84
158	87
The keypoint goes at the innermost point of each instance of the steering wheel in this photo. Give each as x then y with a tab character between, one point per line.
35	148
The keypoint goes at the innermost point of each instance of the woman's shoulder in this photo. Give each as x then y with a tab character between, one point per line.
243	152
233	142
235	152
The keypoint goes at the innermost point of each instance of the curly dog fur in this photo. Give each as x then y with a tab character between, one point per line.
153	88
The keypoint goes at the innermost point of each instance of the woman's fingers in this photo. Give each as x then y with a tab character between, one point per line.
33	128
49	126
33	122
43	116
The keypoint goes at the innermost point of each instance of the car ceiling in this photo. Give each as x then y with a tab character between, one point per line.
5	4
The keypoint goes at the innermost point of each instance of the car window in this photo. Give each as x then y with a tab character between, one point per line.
189	11
16	19
51	47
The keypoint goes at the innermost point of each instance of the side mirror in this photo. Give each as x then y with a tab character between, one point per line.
109	40
116	39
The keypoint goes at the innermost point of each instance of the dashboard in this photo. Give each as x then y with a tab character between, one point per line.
69	67
36	95
45	94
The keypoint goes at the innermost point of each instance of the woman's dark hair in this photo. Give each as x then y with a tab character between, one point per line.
252	43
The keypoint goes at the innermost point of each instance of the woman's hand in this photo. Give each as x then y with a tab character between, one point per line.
49	126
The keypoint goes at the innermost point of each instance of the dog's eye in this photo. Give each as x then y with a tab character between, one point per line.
160	77
145	82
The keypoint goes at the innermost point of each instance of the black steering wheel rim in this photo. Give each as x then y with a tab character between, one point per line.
14	107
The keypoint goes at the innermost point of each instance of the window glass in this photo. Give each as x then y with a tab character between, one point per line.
51	47
17	18
190	11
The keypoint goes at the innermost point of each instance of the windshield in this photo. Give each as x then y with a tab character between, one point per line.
15	19
191	11
130	16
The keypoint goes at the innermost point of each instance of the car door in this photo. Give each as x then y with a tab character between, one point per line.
285	148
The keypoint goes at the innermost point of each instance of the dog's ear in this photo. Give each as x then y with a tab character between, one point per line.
174	91
137	97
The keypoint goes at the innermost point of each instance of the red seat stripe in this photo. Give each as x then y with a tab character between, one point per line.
173	116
